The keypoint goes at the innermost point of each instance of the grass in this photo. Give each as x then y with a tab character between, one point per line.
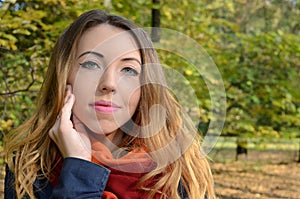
257	144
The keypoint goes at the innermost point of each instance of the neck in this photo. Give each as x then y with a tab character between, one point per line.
111	140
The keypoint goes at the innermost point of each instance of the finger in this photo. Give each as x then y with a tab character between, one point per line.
68	93
79	126
53	130
67	109
53	136
51	133
69	87
75	119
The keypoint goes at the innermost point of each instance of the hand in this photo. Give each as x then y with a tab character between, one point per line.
71	138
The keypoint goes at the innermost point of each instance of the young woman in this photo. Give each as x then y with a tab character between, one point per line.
106	125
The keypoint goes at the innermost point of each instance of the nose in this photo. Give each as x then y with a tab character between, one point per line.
108	82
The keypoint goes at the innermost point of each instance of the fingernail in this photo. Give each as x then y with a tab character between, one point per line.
71	96
68	87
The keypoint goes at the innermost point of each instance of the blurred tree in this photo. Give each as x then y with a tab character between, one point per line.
255	45
28	30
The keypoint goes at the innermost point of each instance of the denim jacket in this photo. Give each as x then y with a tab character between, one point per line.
79	179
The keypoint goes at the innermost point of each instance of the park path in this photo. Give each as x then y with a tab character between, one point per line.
263	174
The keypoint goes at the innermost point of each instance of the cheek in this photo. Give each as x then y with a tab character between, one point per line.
134	101
84	86
131	92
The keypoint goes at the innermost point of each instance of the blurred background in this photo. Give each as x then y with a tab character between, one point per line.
254	43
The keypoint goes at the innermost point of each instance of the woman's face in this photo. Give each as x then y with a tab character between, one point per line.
106	78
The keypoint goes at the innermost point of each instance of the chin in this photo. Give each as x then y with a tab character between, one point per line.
102	129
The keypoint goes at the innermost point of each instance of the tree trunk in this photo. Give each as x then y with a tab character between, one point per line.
155	32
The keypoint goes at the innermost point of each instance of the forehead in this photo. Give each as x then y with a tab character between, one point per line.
108	40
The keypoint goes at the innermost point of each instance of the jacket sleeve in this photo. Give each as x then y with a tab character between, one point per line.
42	188
181	191
80	179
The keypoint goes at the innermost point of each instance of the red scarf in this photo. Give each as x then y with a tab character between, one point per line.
125	172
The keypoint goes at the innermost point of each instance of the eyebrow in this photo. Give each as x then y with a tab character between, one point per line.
91	52
100	55
131	59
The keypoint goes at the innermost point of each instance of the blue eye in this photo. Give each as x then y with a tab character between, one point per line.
130	71
89	65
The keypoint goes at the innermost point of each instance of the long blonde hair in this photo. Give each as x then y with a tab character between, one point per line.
30	152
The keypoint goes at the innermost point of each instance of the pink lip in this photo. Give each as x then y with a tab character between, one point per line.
105	106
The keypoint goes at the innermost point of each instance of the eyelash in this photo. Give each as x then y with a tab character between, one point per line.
87	63
130	70
126	69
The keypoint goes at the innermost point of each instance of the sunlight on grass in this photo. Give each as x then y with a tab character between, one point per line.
258	144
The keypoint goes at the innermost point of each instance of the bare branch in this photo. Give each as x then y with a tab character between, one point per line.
20	90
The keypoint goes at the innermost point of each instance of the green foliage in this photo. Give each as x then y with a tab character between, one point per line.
28	31
257	51
255	45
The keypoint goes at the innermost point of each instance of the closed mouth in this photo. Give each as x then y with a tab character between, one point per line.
105	106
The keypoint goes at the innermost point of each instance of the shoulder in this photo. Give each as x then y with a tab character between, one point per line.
41	186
